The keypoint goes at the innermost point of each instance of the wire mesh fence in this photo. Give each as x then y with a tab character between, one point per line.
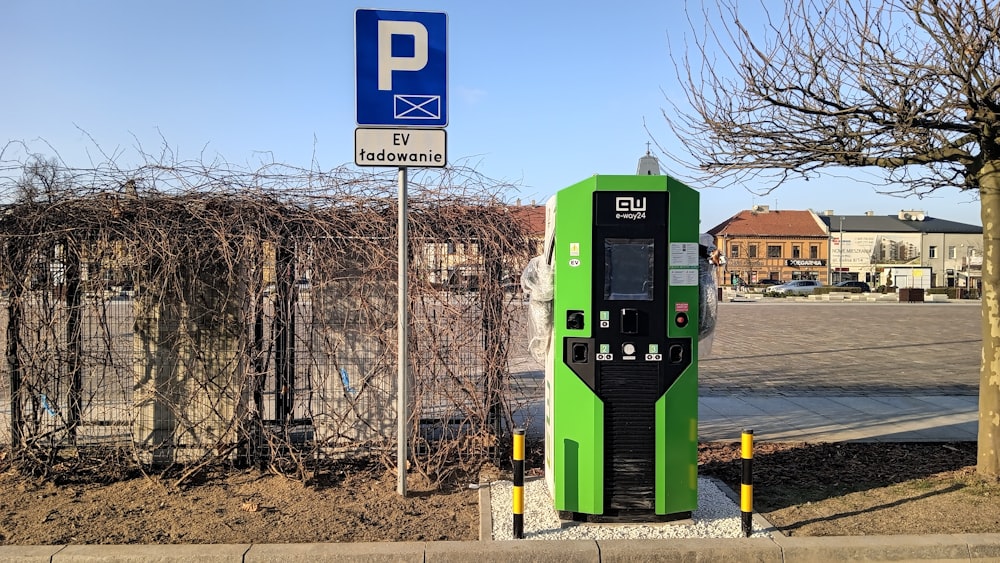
179	316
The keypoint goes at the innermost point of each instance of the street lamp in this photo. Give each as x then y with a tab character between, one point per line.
965	266
840	267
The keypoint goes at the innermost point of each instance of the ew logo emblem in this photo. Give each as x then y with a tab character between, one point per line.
630	208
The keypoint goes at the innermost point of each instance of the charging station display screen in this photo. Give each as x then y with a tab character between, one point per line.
628	269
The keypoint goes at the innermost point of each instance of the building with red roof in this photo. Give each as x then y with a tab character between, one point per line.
760	244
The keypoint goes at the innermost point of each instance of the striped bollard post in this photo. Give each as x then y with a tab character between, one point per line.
518	500
746	482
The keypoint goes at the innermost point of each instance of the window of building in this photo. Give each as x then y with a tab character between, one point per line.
952	253
752	251
796	251
814	251
734	251
932	252
773	276
451	248
774	251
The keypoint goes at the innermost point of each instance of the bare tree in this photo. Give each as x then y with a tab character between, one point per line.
43	181
907	89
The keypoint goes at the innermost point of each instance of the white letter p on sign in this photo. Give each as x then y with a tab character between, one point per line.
388	63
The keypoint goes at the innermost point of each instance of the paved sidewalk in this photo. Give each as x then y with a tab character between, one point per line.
888	418
884	418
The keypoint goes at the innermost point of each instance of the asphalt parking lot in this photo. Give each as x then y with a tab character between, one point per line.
772	347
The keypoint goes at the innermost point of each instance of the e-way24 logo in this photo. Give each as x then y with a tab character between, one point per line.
631	208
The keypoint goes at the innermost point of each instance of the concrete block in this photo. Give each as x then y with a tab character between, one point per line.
745	550
28	553
873	548
337	552
227	553
513	551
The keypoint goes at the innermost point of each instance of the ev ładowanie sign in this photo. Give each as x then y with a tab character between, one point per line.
401	88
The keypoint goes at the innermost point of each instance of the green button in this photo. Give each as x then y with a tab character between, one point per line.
605	349
605	315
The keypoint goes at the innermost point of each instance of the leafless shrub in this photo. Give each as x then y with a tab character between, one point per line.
185	315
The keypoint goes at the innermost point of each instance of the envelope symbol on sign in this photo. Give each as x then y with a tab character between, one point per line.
416	106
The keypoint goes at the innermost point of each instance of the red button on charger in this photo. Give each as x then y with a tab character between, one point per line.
681	319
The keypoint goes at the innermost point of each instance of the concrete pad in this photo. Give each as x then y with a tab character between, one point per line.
733	406
777	406
891	432
905	404
228	553
859	437
824	405
745	550
705	410
873	548
911	436
928	428
954	403
948	428
865	405
338	552
839	419
729	429
720	433
512	551
28	553
966	432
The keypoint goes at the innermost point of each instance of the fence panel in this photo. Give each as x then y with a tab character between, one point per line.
163	329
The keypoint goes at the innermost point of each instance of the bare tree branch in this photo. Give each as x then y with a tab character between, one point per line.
893	85
185	314
908	89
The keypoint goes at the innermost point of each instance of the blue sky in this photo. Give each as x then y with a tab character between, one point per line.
542	94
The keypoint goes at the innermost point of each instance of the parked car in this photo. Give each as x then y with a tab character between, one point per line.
768	282
864	287
794	287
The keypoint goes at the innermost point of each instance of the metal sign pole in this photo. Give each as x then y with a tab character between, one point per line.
403	335
401	112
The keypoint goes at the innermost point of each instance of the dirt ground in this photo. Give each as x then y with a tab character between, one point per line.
855	489
249	506
803	489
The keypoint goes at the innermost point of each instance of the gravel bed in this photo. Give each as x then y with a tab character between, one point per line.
717	516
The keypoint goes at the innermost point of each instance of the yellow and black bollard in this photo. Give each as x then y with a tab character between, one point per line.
746	482
518	500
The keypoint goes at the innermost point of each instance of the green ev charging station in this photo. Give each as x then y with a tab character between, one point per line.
621	382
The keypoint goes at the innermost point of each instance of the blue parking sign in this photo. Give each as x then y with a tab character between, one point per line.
402	68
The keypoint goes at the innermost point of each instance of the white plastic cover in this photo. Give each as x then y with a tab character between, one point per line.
708	296
537	281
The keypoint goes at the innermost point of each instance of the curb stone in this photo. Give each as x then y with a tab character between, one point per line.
957	547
